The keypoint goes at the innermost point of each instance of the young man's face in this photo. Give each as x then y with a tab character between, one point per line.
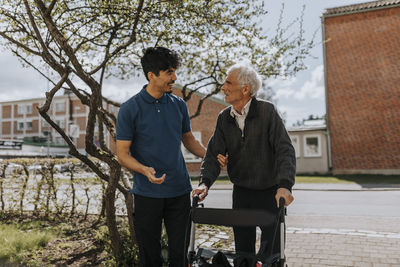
232	89
165	80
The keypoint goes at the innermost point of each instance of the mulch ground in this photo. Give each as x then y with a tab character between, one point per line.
77	242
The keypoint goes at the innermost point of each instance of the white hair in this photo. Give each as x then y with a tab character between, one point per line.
246	75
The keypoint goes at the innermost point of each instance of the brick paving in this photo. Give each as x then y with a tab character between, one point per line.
308	249
371	241
322	247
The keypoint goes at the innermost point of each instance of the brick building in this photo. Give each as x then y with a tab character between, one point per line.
362	81
202	126
20	119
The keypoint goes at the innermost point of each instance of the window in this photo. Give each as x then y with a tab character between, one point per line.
296	144
24	109
20	126
29	109
20	109
189	157
28	125
60	106
312	146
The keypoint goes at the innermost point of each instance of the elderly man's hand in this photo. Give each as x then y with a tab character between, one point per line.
286	194
201	191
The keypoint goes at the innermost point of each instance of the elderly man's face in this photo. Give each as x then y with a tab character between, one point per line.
232	90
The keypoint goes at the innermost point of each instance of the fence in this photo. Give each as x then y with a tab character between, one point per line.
57	187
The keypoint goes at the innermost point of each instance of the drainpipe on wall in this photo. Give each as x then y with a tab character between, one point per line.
328	135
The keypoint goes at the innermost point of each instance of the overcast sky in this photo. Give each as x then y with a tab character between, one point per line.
297	97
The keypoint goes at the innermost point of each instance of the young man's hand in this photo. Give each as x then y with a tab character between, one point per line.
222	160
150	173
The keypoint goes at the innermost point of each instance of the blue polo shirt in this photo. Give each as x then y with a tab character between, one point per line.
155	127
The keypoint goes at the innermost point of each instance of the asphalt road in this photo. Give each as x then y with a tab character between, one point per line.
366	210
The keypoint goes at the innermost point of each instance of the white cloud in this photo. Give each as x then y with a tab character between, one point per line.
284	92
281	82
283	87
17	82
121	90
313	88
301	98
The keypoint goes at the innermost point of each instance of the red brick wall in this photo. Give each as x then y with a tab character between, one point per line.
6	127
78	107
204	123
35	111
363	82
6	111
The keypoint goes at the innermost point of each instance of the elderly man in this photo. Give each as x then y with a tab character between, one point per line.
262	161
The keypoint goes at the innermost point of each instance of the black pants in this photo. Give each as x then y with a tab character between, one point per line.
149	213
245	237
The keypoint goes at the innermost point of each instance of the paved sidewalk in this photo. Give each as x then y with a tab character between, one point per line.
318	249
321	247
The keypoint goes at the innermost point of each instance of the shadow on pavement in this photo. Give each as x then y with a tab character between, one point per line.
377	186
373	181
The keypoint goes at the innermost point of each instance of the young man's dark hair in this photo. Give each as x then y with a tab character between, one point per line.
156	59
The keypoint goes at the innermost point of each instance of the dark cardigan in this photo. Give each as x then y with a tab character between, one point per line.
263	158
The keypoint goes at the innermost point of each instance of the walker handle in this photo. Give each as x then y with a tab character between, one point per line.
195	201
281	202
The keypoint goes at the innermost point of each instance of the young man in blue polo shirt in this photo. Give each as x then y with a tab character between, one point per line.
150	128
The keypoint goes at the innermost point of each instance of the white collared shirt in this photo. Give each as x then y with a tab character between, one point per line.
240	118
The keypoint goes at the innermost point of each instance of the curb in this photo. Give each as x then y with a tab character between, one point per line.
325	187
350	190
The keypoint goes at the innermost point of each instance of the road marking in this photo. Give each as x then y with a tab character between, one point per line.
353	232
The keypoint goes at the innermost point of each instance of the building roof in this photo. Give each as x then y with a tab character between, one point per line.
305	128
309	125
362	7
37	99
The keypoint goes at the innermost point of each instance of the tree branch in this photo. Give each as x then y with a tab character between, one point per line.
50	8
61	41
124	46
200	104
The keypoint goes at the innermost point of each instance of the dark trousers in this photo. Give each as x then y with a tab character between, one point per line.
245	237
149	213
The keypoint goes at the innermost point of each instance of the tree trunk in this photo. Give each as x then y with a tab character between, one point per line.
116	245
103	201
2	179
129	210
23	190
71	168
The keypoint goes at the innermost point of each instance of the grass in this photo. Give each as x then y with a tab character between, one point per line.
29	240
16	239
358	179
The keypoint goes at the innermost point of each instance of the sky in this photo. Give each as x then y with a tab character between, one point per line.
296	97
